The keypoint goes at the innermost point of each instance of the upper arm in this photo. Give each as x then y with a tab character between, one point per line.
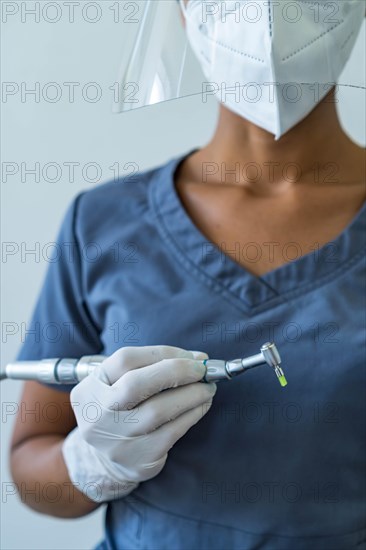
62	303
42	411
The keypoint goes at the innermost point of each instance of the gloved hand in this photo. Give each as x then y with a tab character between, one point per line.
126	423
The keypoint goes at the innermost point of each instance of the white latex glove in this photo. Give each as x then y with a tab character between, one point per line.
126	423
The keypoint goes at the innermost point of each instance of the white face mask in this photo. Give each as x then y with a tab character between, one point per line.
272	61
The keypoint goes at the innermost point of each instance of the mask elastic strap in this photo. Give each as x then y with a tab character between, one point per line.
183	8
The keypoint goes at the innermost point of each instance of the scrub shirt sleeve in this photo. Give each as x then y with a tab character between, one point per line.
61	324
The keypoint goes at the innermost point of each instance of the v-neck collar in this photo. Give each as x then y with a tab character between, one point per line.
251	293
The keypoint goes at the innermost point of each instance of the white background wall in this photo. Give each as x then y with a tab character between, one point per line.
81	132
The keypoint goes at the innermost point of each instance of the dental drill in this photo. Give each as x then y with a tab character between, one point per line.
72	371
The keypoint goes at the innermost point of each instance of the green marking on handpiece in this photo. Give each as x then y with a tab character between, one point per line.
283	381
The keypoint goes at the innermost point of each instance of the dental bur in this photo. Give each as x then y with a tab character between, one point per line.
220	370
72	371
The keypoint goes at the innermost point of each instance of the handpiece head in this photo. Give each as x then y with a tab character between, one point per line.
273	359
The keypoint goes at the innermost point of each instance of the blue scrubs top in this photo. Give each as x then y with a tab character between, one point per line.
267	467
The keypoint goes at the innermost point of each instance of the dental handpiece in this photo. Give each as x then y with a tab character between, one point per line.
72	371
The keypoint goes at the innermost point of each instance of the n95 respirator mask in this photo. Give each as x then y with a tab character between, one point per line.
272	61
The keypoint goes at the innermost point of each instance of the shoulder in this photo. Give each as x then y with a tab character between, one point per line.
113	203
115	194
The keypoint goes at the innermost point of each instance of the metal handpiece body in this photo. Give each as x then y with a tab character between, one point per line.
54	371
71	371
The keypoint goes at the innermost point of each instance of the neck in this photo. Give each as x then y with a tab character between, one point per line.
317	140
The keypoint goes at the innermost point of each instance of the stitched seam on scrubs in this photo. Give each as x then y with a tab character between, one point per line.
349	533
212	283
271	302
326	279
308	288
225	293
189	265
193	270
312	41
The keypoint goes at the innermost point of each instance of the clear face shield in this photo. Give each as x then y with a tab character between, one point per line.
158	63
270	61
